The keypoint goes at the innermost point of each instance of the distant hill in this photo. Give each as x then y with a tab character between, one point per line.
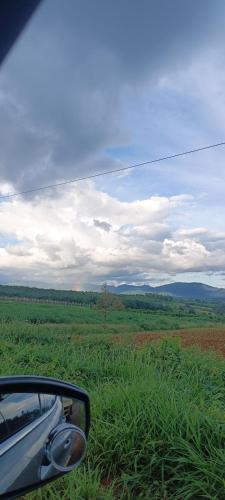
178	290
172	290
132	289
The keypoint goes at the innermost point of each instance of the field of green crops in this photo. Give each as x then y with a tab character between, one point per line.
158	412
179	315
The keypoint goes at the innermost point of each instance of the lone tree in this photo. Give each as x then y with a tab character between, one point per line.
108	302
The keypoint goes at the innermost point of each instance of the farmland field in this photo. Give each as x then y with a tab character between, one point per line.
158	410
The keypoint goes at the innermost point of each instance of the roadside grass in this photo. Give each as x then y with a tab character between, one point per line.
82	484
161	432
158	413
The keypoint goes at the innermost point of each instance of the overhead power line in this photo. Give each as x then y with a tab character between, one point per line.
116	170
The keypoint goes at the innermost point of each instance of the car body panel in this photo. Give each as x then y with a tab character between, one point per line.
23	453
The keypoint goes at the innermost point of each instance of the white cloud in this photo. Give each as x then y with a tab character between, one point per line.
57	240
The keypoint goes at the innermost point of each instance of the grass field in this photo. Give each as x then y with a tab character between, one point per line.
158	410
177	315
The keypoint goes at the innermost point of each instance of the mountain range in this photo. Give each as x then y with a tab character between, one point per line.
179	290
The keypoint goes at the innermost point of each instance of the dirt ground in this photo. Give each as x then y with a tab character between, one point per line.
206	338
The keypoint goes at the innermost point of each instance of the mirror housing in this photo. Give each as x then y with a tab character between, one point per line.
58	431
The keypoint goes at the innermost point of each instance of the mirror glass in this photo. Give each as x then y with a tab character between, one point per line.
41	436
67	448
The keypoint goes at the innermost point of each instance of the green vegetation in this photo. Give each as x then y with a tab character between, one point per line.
147	301
158	413
108	302
177	315
32	293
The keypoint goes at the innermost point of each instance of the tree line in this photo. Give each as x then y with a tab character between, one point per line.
151	302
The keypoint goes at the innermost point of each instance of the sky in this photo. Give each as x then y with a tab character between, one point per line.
100	85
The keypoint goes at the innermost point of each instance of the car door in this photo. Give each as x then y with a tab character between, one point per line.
27	424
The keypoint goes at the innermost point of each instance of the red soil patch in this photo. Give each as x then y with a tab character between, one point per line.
206	339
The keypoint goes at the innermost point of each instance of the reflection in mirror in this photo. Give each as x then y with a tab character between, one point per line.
74	412
66	447
41	436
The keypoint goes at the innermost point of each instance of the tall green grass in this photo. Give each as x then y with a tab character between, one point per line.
158	413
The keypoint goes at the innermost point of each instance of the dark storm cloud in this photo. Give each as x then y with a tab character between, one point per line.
62	86
102	225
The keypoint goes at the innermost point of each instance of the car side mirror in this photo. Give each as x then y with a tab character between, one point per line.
44	425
